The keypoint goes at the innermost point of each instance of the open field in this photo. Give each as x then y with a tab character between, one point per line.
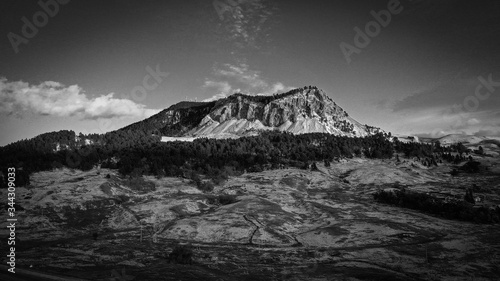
286	224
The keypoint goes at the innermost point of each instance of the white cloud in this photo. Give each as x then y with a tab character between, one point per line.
52	98
439	121
219	89
242	74
280	88
245	79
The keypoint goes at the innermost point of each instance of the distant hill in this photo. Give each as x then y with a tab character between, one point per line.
462	138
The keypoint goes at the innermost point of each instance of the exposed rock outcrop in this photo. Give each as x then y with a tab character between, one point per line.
303	110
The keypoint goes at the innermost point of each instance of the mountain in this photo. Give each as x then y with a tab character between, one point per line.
299	111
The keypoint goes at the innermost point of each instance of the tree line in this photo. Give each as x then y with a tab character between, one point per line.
140	152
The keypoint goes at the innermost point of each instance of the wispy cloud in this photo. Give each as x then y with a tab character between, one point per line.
242	74
446	95
439	121
243	22
52	98
220	90
461	105
278	87
231	78
441	95
490	132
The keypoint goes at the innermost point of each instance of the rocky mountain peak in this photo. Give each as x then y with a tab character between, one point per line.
301	110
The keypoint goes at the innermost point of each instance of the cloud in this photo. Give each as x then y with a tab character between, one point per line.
242	78
244	22
438	96
449	107
52	98
488	132
279	88
242	74
220	89
448	94
433	123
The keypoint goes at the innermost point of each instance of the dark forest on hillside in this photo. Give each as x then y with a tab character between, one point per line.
139	153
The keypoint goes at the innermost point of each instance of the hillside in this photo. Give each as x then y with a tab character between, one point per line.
285	224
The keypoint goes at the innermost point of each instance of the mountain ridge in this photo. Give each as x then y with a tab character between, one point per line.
299	111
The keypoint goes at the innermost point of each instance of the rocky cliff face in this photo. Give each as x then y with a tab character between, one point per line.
303	110
303	104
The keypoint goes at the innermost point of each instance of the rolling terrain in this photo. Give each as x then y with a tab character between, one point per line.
285	224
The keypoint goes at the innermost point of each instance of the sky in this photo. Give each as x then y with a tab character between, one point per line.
419	67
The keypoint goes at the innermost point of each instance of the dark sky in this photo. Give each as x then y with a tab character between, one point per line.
90	65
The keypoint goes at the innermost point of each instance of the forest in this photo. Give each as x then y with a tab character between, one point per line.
140	152
463	210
